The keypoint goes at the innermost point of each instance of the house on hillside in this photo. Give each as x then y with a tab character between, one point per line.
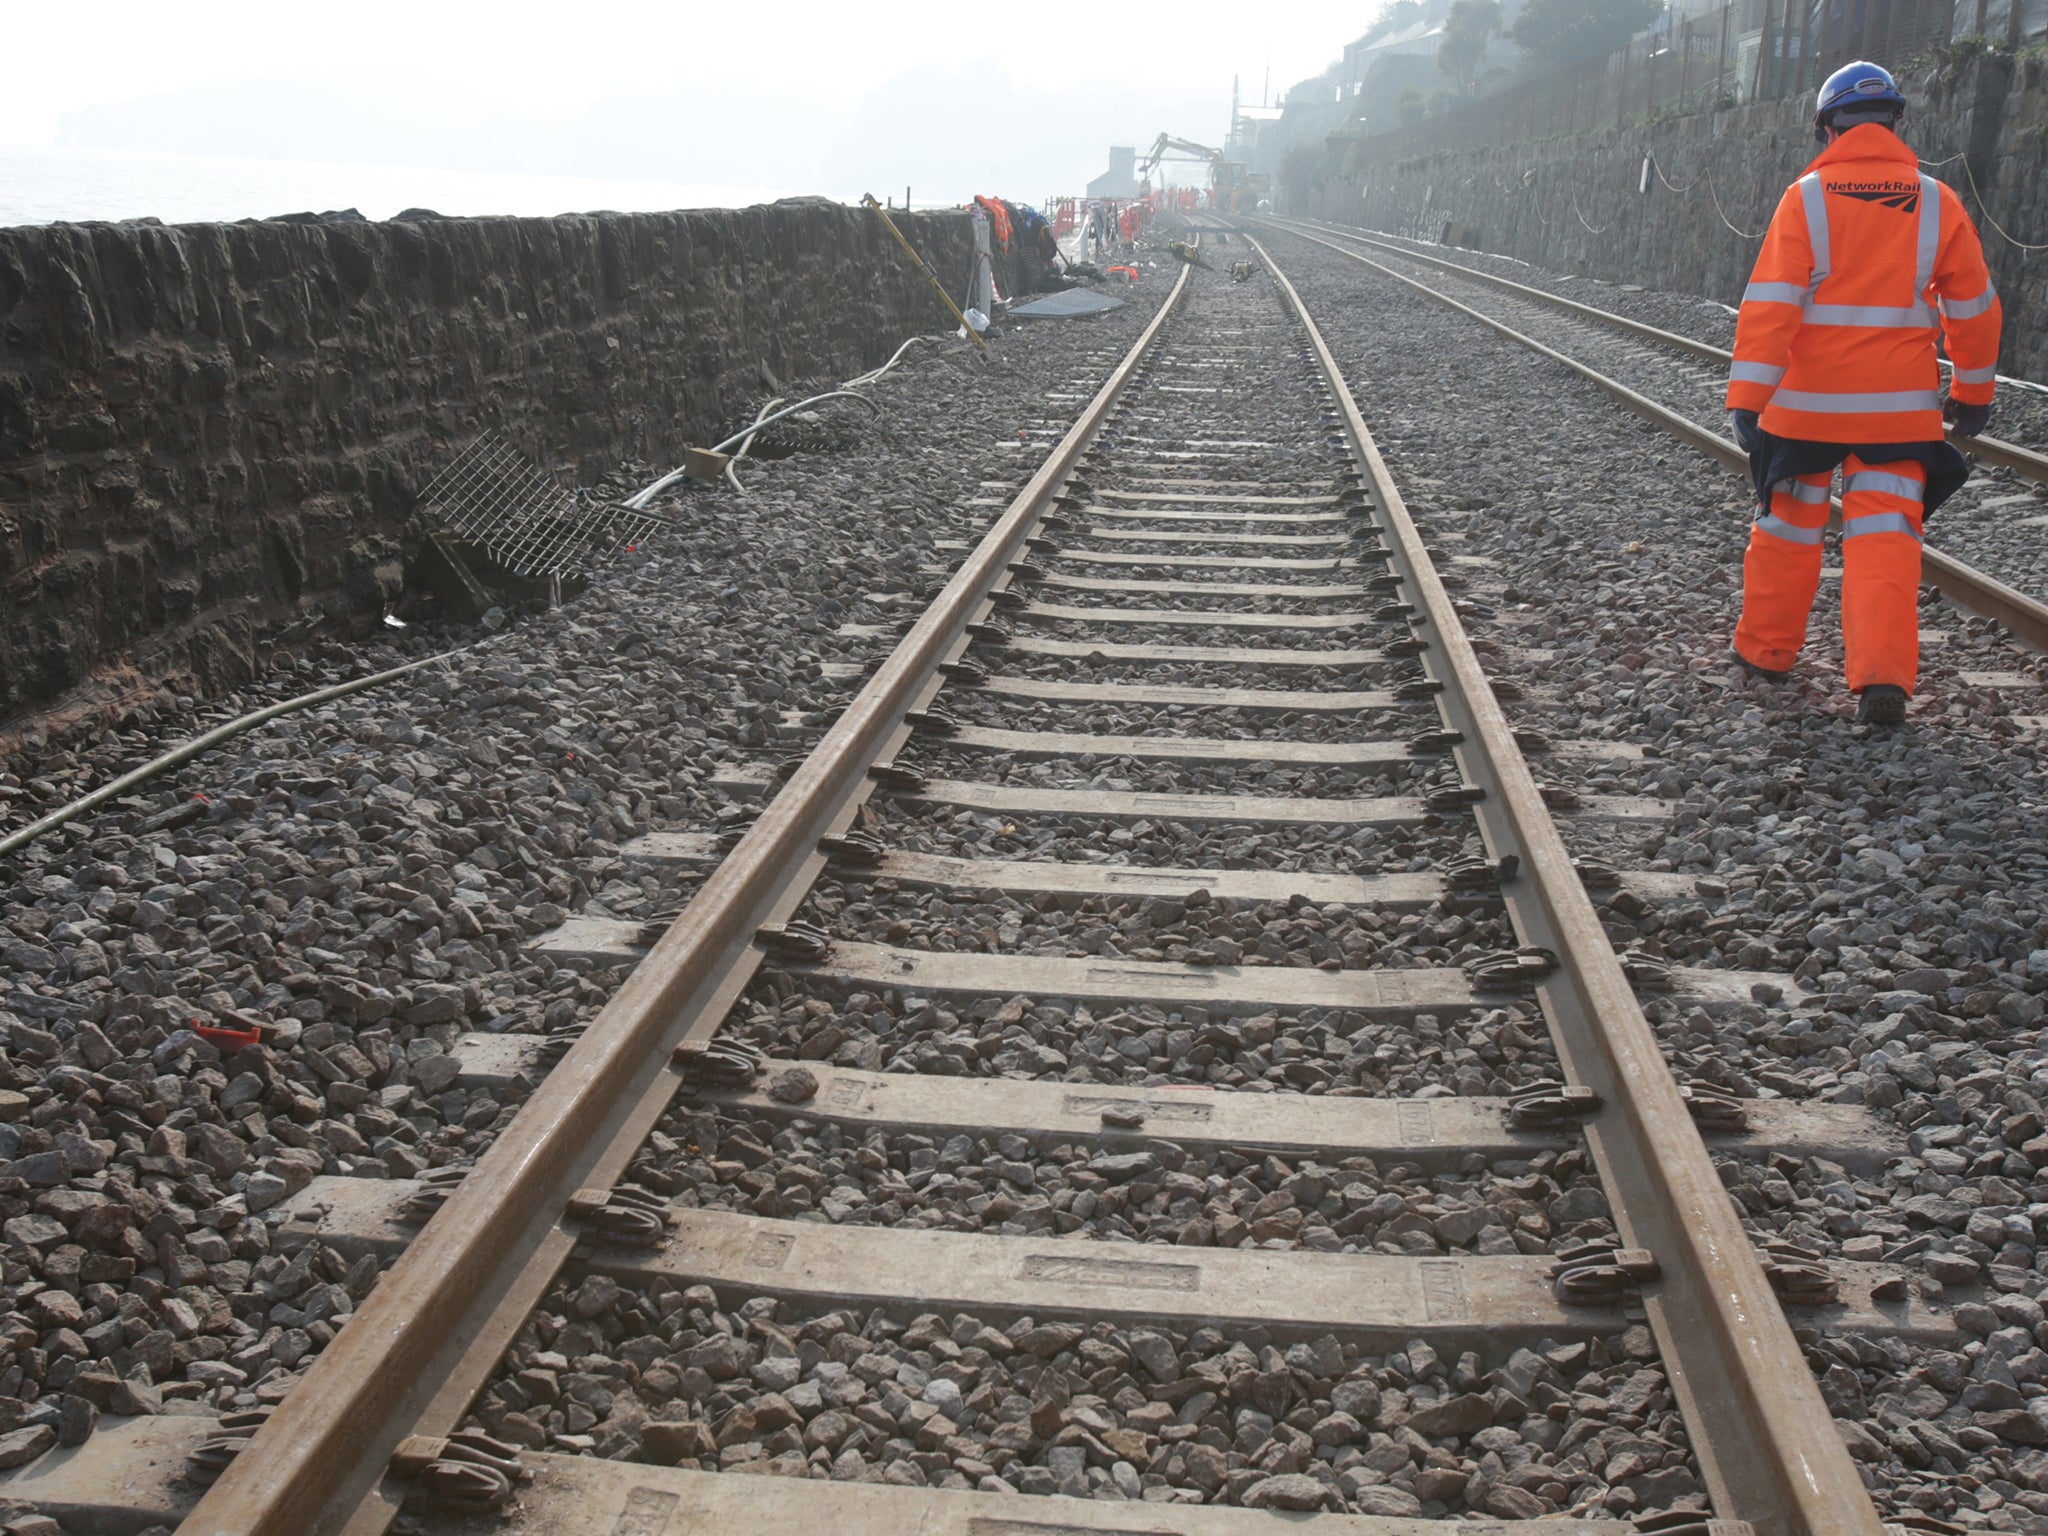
1121	179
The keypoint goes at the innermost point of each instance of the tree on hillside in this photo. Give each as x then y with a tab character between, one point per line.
1402	13
1557	32
1466	30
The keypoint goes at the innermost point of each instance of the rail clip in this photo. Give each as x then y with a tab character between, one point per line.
852	849
210	1457
435	1186
1541	1106
1599	1273
1597	876
1800	1275
1647	971
1480	875
795	941
932	722
655	924
1454	797
1714	1109
466	1473
896	776
1928	1524
1690	1522
1512	969
625	1214
555	1043
1434	741
717	1063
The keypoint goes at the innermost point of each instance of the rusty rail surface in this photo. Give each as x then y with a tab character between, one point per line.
1967	587
1764	1438
413	1357
2028	463
409	1364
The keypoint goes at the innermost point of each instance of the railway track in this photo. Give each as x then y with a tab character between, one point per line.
1687	397
1135	874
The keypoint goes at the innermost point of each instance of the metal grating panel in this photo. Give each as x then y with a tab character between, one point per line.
491	497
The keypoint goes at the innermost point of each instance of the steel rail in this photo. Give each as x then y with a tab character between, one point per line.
1963	584
2025	462
413	1356
1764	1438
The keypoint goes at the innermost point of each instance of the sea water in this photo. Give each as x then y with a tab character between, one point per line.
43	186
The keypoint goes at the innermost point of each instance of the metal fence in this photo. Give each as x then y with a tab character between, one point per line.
1745	50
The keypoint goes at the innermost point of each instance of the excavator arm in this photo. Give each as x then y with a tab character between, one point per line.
1187	150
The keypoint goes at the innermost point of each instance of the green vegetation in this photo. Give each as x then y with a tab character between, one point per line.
1558	32
1400	14
1467	29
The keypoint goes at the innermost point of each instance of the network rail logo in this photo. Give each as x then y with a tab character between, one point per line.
1902	195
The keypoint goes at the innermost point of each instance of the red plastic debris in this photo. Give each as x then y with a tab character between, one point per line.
229	1040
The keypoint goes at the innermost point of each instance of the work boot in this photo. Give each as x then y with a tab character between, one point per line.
1882	704
1754	670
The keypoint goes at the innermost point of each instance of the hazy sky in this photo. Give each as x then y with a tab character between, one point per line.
827	97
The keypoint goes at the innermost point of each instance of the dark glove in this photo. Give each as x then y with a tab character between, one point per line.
1747	436
1968	420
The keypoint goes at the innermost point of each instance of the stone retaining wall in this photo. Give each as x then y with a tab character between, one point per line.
1578	205
208	431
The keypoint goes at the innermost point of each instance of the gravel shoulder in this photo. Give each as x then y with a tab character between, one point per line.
365	877
1898	875
1991	522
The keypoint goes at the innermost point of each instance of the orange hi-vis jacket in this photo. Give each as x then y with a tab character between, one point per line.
1835	339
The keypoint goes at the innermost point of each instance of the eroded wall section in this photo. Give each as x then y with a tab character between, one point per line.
207	431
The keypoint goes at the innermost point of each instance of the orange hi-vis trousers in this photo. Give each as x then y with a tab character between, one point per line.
1881	517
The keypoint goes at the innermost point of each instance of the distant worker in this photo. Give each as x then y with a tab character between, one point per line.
1835	367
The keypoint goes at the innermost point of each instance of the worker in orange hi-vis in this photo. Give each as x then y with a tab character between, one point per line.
1867	261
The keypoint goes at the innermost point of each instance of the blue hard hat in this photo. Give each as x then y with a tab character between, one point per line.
1861	84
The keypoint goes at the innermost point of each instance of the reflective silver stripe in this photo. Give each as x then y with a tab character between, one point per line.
1884	316
1754	373
1791	533
1833	404
1880	522
1886	482
1814	196
1930	237
1774	293
1799	490
1977	375
1970	309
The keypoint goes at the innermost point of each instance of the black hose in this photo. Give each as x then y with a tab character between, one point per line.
23	836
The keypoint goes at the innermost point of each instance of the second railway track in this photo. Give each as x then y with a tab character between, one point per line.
1677	383
1159	1050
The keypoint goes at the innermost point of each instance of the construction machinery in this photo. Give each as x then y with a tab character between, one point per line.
1231	188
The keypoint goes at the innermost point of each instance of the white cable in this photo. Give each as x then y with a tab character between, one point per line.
639	499
731	473
869	378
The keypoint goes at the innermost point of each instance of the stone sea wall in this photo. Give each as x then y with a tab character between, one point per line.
208	432
1579	204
